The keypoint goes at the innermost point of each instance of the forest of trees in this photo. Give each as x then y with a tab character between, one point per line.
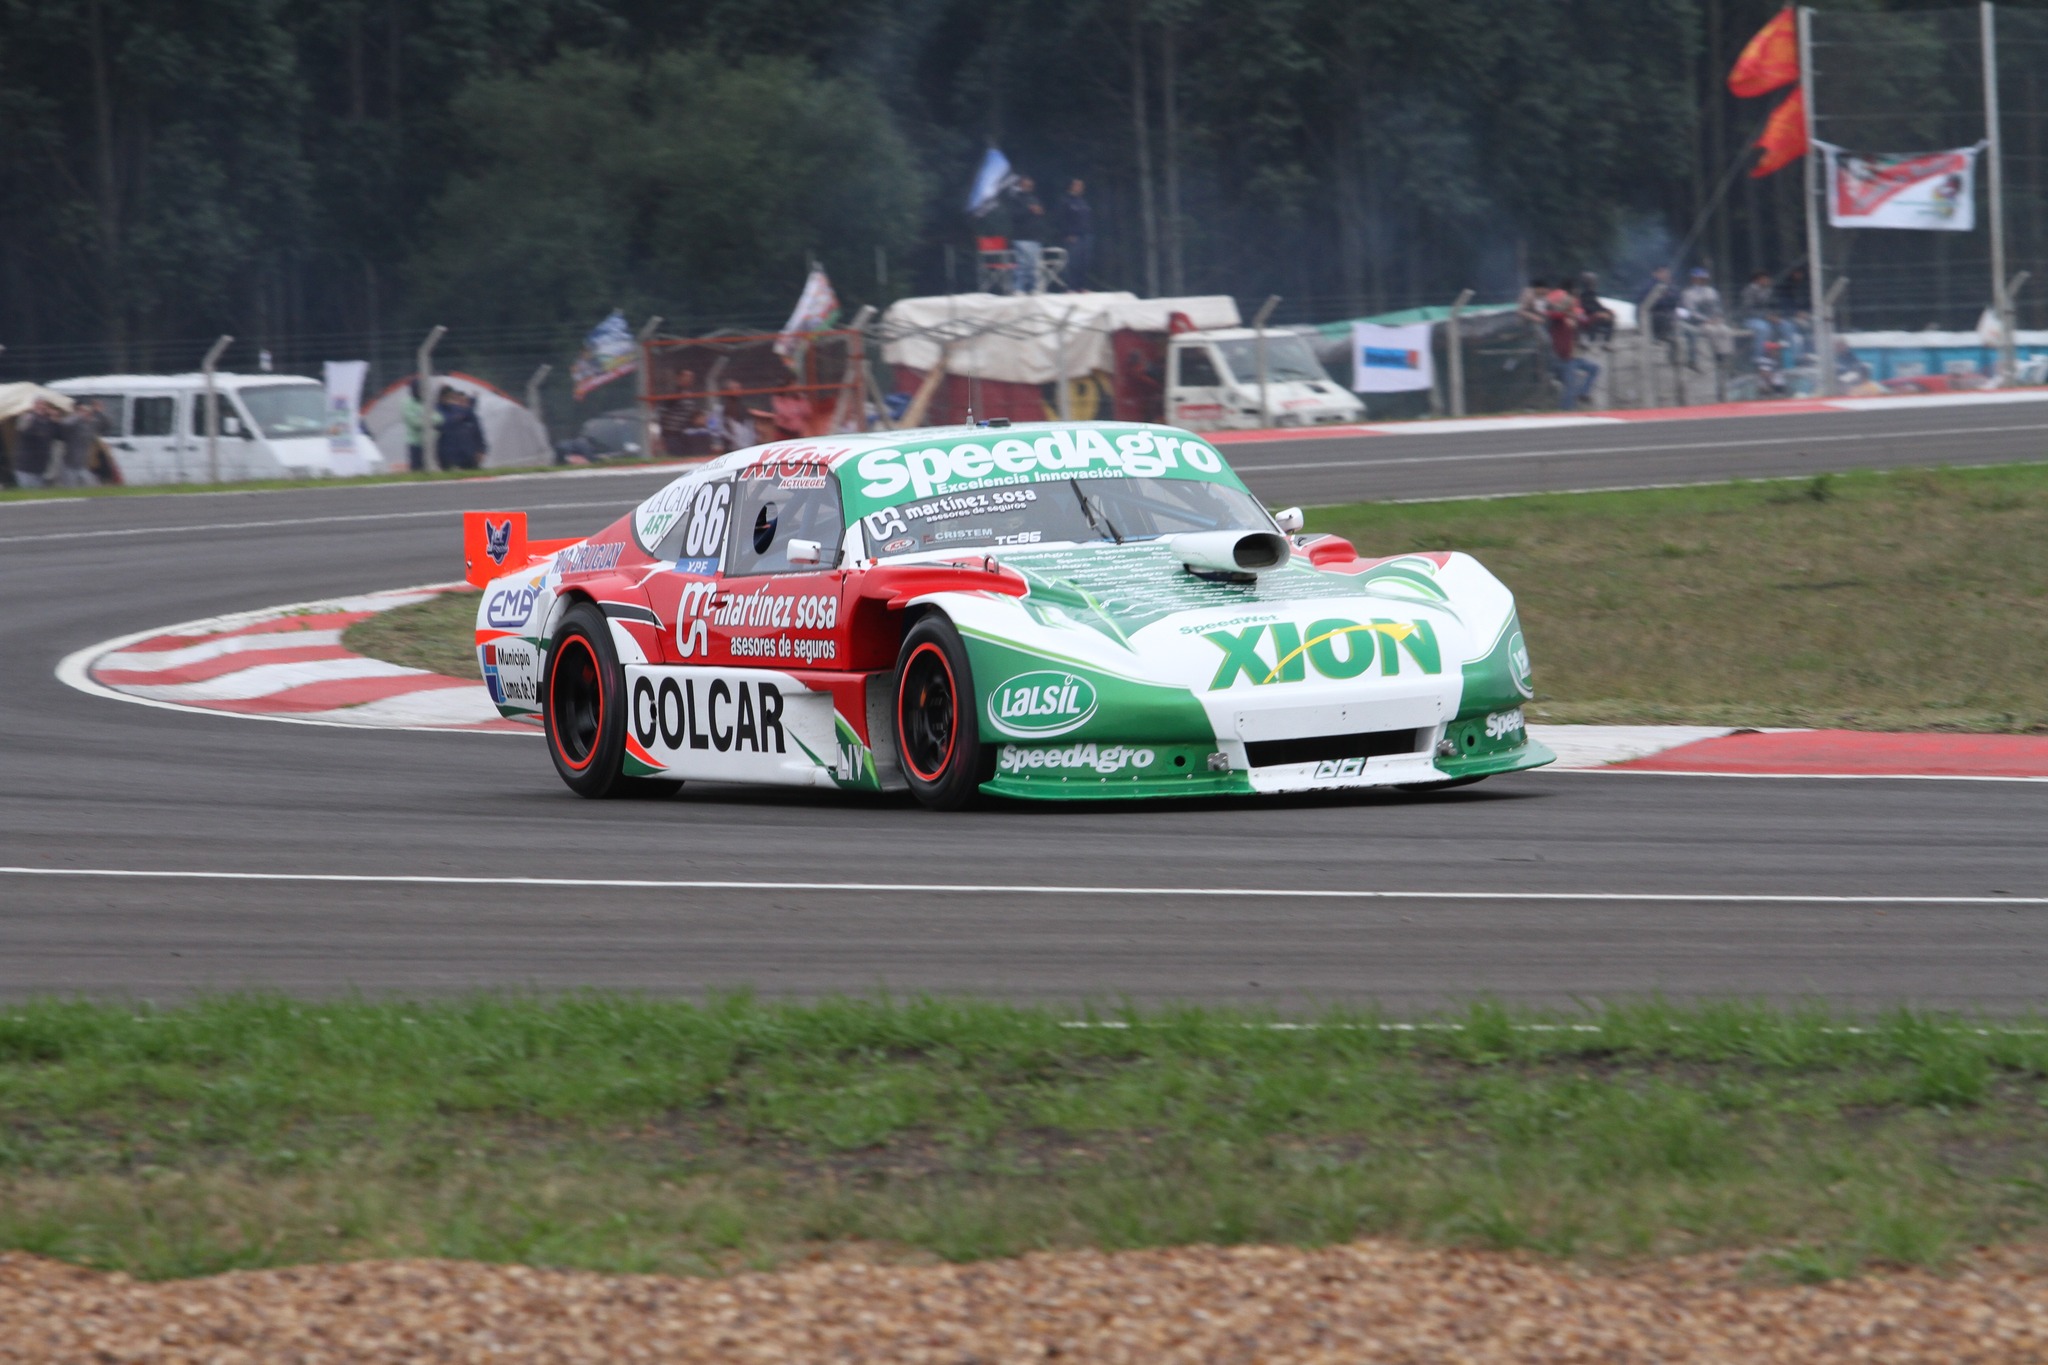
329	177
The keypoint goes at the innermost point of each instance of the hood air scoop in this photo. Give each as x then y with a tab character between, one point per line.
1236	555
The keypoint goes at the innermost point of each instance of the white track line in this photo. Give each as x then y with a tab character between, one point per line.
286	521
1369	462
962	888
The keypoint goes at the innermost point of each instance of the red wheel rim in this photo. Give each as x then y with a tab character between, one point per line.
575	702
927	712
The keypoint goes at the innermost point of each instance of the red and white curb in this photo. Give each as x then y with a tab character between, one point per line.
289	664
1538	421
286	663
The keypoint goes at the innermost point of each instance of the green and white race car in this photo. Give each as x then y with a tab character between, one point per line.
1063	610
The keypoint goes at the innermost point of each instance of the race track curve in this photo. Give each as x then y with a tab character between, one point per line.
1931	892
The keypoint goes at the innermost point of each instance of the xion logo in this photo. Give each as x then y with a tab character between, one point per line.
497	539
1336	648
742	717
1044	703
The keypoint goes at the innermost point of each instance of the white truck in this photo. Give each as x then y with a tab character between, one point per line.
272	426
1227	378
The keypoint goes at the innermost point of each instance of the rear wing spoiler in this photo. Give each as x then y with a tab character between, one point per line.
495	544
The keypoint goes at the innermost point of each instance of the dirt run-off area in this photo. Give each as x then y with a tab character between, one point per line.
1363	1302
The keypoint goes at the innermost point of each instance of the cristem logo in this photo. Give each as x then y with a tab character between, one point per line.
1104	759
933	469
1336	648
1044	703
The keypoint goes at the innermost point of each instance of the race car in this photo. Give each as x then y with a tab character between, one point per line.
1060	610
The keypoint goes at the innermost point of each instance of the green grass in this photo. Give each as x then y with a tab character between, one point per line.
438	634
1911	600
629	1134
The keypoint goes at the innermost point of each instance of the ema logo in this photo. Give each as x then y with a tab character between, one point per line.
1386	358
498	539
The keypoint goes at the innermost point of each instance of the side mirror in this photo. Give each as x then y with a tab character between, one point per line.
1288	519
231	426
804	551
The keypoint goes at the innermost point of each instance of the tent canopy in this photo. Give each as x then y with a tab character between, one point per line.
1019	338
513	437
15	399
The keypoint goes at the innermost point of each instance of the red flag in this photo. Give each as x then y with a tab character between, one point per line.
1784	137
1770	60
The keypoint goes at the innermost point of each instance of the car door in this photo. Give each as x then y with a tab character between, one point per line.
1196	390
152	450
771	610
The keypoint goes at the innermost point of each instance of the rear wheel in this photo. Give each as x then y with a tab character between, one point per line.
938	733
585	710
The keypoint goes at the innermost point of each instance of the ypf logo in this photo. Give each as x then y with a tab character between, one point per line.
1043	703
497	539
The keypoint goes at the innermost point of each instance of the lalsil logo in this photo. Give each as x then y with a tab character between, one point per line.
1044	703
498	539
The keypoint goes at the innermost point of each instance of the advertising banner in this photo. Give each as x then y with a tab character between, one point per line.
347	448
1390	359
1932	191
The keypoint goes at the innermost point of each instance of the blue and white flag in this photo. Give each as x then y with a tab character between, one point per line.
609	353
990	181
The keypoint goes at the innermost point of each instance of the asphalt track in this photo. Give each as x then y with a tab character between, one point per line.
92	784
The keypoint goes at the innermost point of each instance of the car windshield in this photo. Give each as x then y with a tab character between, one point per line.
286	410
1112	509
1288	359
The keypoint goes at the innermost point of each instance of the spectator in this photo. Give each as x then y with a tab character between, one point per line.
1795	303
1562	319
81	433
1700	315
460	444
36	433
1760	315
1077	232
1599	317
1529	304
415	415
1660	324
1027	233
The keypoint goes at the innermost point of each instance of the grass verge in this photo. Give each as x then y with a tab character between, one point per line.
1894	601
629	1134
438	634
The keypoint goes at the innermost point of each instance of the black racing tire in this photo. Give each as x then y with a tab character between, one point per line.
937	717
584	704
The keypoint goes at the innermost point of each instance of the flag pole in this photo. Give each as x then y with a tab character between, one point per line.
1823	326
2001	300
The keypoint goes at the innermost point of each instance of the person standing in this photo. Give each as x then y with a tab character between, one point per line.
460	444
1599	317
1562	319
35	437
1027	232
1700	314
1657	309
80	433
415	415
1077	233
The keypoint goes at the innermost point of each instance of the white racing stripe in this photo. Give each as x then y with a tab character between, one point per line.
962	888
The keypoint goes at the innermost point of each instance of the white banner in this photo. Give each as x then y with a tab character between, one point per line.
347	448
1391	359
1932	191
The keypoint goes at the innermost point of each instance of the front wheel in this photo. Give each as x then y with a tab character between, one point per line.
938	734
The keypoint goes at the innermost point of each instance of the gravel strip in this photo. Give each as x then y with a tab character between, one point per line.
1366	1302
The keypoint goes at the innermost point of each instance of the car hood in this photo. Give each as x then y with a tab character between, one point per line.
1419	628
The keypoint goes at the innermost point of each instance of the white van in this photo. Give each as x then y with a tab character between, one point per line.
1213	382
272	426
